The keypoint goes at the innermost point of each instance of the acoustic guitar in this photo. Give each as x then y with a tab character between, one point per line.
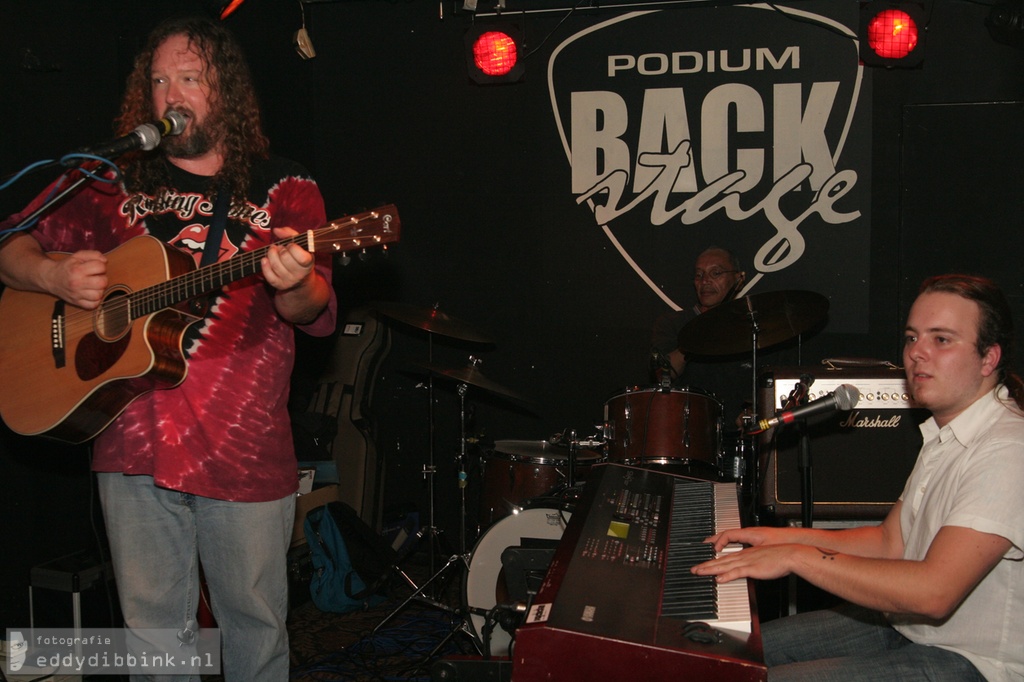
66	373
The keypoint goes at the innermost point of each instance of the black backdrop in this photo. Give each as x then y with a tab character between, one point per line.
491	231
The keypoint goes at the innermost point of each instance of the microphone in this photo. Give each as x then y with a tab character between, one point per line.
662	370
660	359
844	398
147	136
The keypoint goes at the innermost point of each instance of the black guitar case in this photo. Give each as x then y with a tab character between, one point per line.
346	391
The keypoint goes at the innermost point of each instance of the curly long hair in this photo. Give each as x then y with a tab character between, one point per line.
235	113
995	326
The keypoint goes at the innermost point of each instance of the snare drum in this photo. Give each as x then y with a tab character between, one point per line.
484	586
518	470
663	426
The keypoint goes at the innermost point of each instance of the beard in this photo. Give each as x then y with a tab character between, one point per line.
198	141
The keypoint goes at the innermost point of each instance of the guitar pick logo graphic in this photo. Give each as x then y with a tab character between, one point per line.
739	125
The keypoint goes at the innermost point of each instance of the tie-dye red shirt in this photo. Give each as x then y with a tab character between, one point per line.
224	432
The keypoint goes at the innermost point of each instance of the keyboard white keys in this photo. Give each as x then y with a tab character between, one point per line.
733	596
701	509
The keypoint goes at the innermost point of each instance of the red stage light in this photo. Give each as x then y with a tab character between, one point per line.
892	34
494	54
229	7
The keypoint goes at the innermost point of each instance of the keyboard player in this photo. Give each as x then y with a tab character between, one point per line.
936	591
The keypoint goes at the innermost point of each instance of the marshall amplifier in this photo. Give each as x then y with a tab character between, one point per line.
860	459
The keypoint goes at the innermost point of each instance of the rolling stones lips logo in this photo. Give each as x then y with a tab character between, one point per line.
192	240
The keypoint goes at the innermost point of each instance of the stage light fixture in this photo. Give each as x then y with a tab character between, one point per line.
892	33
494	54
1005	23
301	40
229	6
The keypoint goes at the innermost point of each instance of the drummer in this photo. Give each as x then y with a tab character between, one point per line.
717	277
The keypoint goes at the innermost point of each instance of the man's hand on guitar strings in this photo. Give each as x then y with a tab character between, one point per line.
288	267
80	279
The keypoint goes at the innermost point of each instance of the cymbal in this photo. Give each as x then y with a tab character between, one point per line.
431	320
728	329
472	375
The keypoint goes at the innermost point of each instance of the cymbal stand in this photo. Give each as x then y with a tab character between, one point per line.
754	330
437	547
431	531
419	592
753	484
430	469
462	390
574	451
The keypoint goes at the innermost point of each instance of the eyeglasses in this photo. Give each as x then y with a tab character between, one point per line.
714	274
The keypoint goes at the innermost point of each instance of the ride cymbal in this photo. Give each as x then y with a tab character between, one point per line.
728	329
472	375
431	320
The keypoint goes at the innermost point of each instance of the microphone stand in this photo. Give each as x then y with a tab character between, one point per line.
805	467
50	203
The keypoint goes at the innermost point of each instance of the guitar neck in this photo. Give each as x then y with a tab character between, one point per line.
206	279
376	227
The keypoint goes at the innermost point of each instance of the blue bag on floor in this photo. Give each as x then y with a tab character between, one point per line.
336	586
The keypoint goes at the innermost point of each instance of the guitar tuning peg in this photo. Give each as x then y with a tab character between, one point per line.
345	259
363	255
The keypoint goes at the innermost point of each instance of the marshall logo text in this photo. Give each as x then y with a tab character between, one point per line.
854	421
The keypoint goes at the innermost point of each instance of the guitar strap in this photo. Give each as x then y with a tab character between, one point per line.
216	234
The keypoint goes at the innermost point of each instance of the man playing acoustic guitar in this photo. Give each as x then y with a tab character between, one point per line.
203	467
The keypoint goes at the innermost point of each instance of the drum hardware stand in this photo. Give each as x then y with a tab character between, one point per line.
460	623
419	592
434	535
574	448
754	330
462	390
430	469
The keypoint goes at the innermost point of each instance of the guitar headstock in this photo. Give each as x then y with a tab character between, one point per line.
371	228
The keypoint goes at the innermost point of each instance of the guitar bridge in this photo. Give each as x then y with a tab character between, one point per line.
57	334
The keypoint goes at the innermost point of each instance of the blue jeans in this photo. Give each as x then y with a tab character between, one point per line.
853	644
156	539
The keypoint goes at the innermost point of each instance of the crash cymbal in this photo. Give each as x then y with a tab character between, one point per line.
728	329
431	320
471	374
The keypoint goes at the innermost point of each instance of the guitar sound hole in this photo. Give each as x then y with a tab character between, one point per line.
100	350
113	317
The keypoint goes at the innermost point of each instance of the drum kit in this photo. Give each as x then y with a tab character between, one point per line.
527	489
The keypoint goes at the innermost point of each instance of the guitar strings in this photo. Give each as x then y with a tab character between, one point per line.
116	314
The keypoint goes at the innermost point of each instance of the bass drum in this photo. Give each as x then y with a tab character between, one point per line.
484	586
